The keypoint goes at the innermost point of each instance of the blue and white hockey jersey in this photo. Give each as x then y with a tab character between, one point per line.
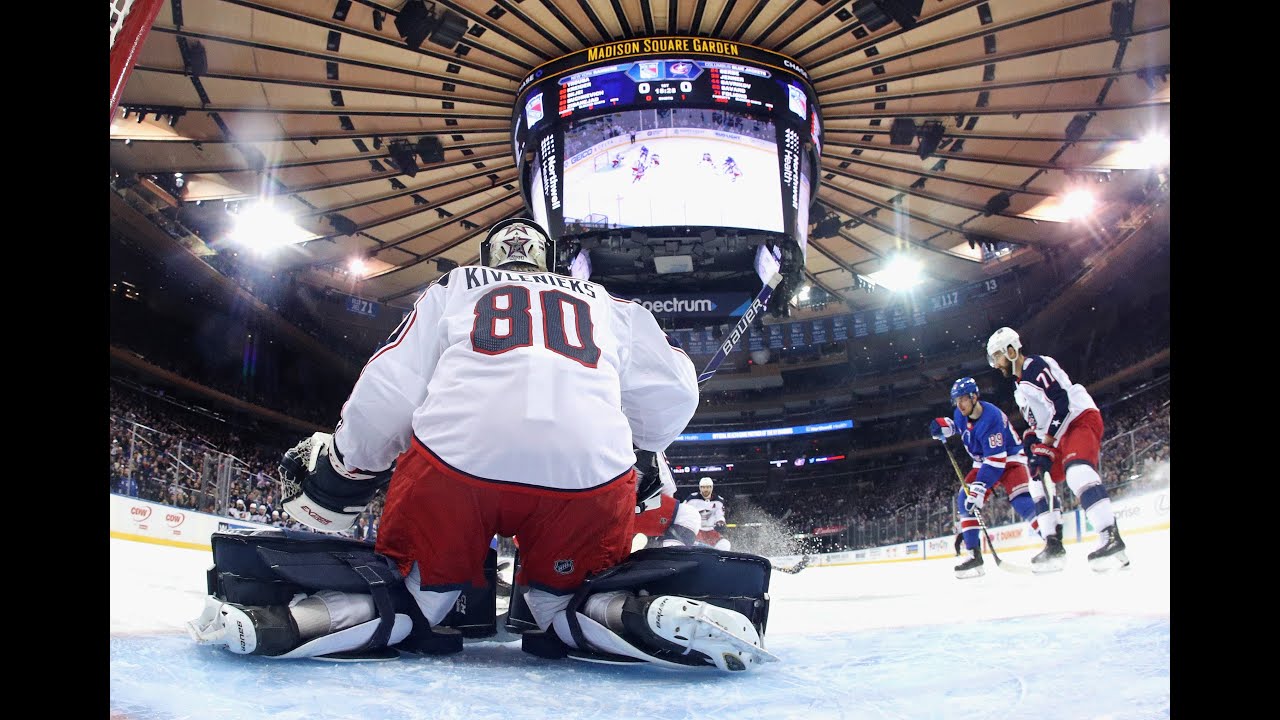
1047	398
990	441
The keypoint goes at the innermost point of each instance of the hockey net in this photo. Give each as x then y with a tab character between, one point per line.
130	21
603	161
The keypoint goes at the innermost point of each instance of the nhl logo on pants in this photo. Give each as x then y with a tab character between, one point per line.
564	567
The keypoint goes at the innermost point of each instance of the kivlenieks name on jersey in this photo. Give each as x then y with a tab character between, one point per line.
487	354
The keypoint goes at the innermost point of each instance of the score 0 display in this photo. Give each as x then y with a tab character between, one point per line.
679	81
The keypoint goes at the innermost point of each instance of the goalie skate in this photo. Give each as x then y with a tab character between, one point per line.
724	636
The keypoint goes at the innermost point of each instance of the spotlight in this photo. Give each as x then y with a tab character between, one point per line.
342	224
930	136
415	21
997	204
430	150
902	131
402	156
1075	128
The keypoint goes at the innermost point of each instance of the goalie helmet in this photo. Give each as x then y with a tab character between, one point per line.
999	343
518	240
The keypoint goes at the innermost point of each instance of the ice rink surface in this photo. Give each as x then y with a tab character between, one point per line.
900	640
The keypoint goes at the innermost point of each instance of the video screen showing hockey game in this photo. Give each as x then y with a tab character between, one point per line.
677	166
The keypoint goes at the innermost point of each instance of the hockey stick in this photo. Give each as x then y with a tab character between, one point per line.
982	525
792	570
756	307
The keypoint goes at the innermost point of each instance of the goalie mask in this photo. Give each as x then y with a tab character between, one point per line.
518	240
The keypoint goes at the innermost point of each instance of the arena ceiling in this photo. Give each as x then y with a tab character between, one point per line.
299	100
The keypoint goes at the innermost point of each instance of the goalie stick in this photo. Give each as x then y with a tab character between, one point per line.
792	570
756	307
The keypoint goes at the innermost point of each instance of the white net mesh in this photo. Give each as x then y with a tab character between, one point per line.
119	10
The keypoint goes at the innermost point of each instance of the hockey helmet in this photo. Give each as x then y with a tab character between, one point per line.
518	240
1000	342
706	482
964	386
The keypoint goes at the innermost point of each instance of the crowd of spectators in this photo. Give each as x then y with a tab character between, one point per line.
168	450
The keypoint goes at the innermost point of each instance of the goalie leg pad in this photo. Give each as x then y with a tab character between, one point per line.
725	594
267	568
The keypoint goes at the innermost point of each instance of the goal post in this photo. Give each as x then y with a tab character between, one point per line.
130	21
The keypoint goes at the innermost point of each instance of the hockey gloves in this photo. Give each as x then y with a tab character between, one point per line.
648	480
975	496
942	428
1040	458
319	491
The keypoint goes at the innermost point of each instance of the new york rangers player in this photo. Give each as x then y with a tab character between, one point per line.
997	460
1069	428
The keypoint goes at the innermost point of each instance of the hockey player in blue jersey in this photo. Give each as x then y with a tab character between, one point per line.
1068	427
997	459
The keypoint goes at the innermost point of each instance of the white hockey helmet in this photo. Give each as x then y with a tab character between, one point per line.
706	482
518	240
999	343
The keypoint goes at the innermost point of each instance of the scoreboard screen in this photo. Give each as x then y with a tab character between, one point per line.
669	131
667	81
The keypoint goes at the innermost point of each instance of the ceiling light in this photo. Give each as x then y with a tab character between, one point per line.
1078	203
263	227
902	273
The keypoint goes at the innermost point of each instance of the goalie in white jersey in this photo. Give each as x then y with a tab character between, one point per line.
507	403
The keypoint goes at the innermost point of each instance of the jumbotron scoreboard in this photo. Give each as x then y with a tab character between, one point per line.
670	132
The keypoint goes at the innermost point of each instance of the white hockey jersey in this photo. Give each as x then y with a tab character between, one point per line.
522	378
1047	398
711	511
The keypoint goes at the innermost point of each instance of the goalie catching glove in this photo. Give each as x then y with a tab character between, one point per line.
319	491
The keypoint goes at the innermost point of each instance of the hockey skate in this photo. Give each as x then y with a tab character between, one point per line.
972	567
725	637
245	630
1110	555
1052	559
271	631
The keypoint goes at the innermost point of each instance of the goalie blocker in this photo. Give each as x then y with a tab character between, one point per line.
285	594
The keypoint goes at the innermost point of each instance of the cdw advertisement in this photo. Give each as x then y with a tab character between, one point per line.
134	519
